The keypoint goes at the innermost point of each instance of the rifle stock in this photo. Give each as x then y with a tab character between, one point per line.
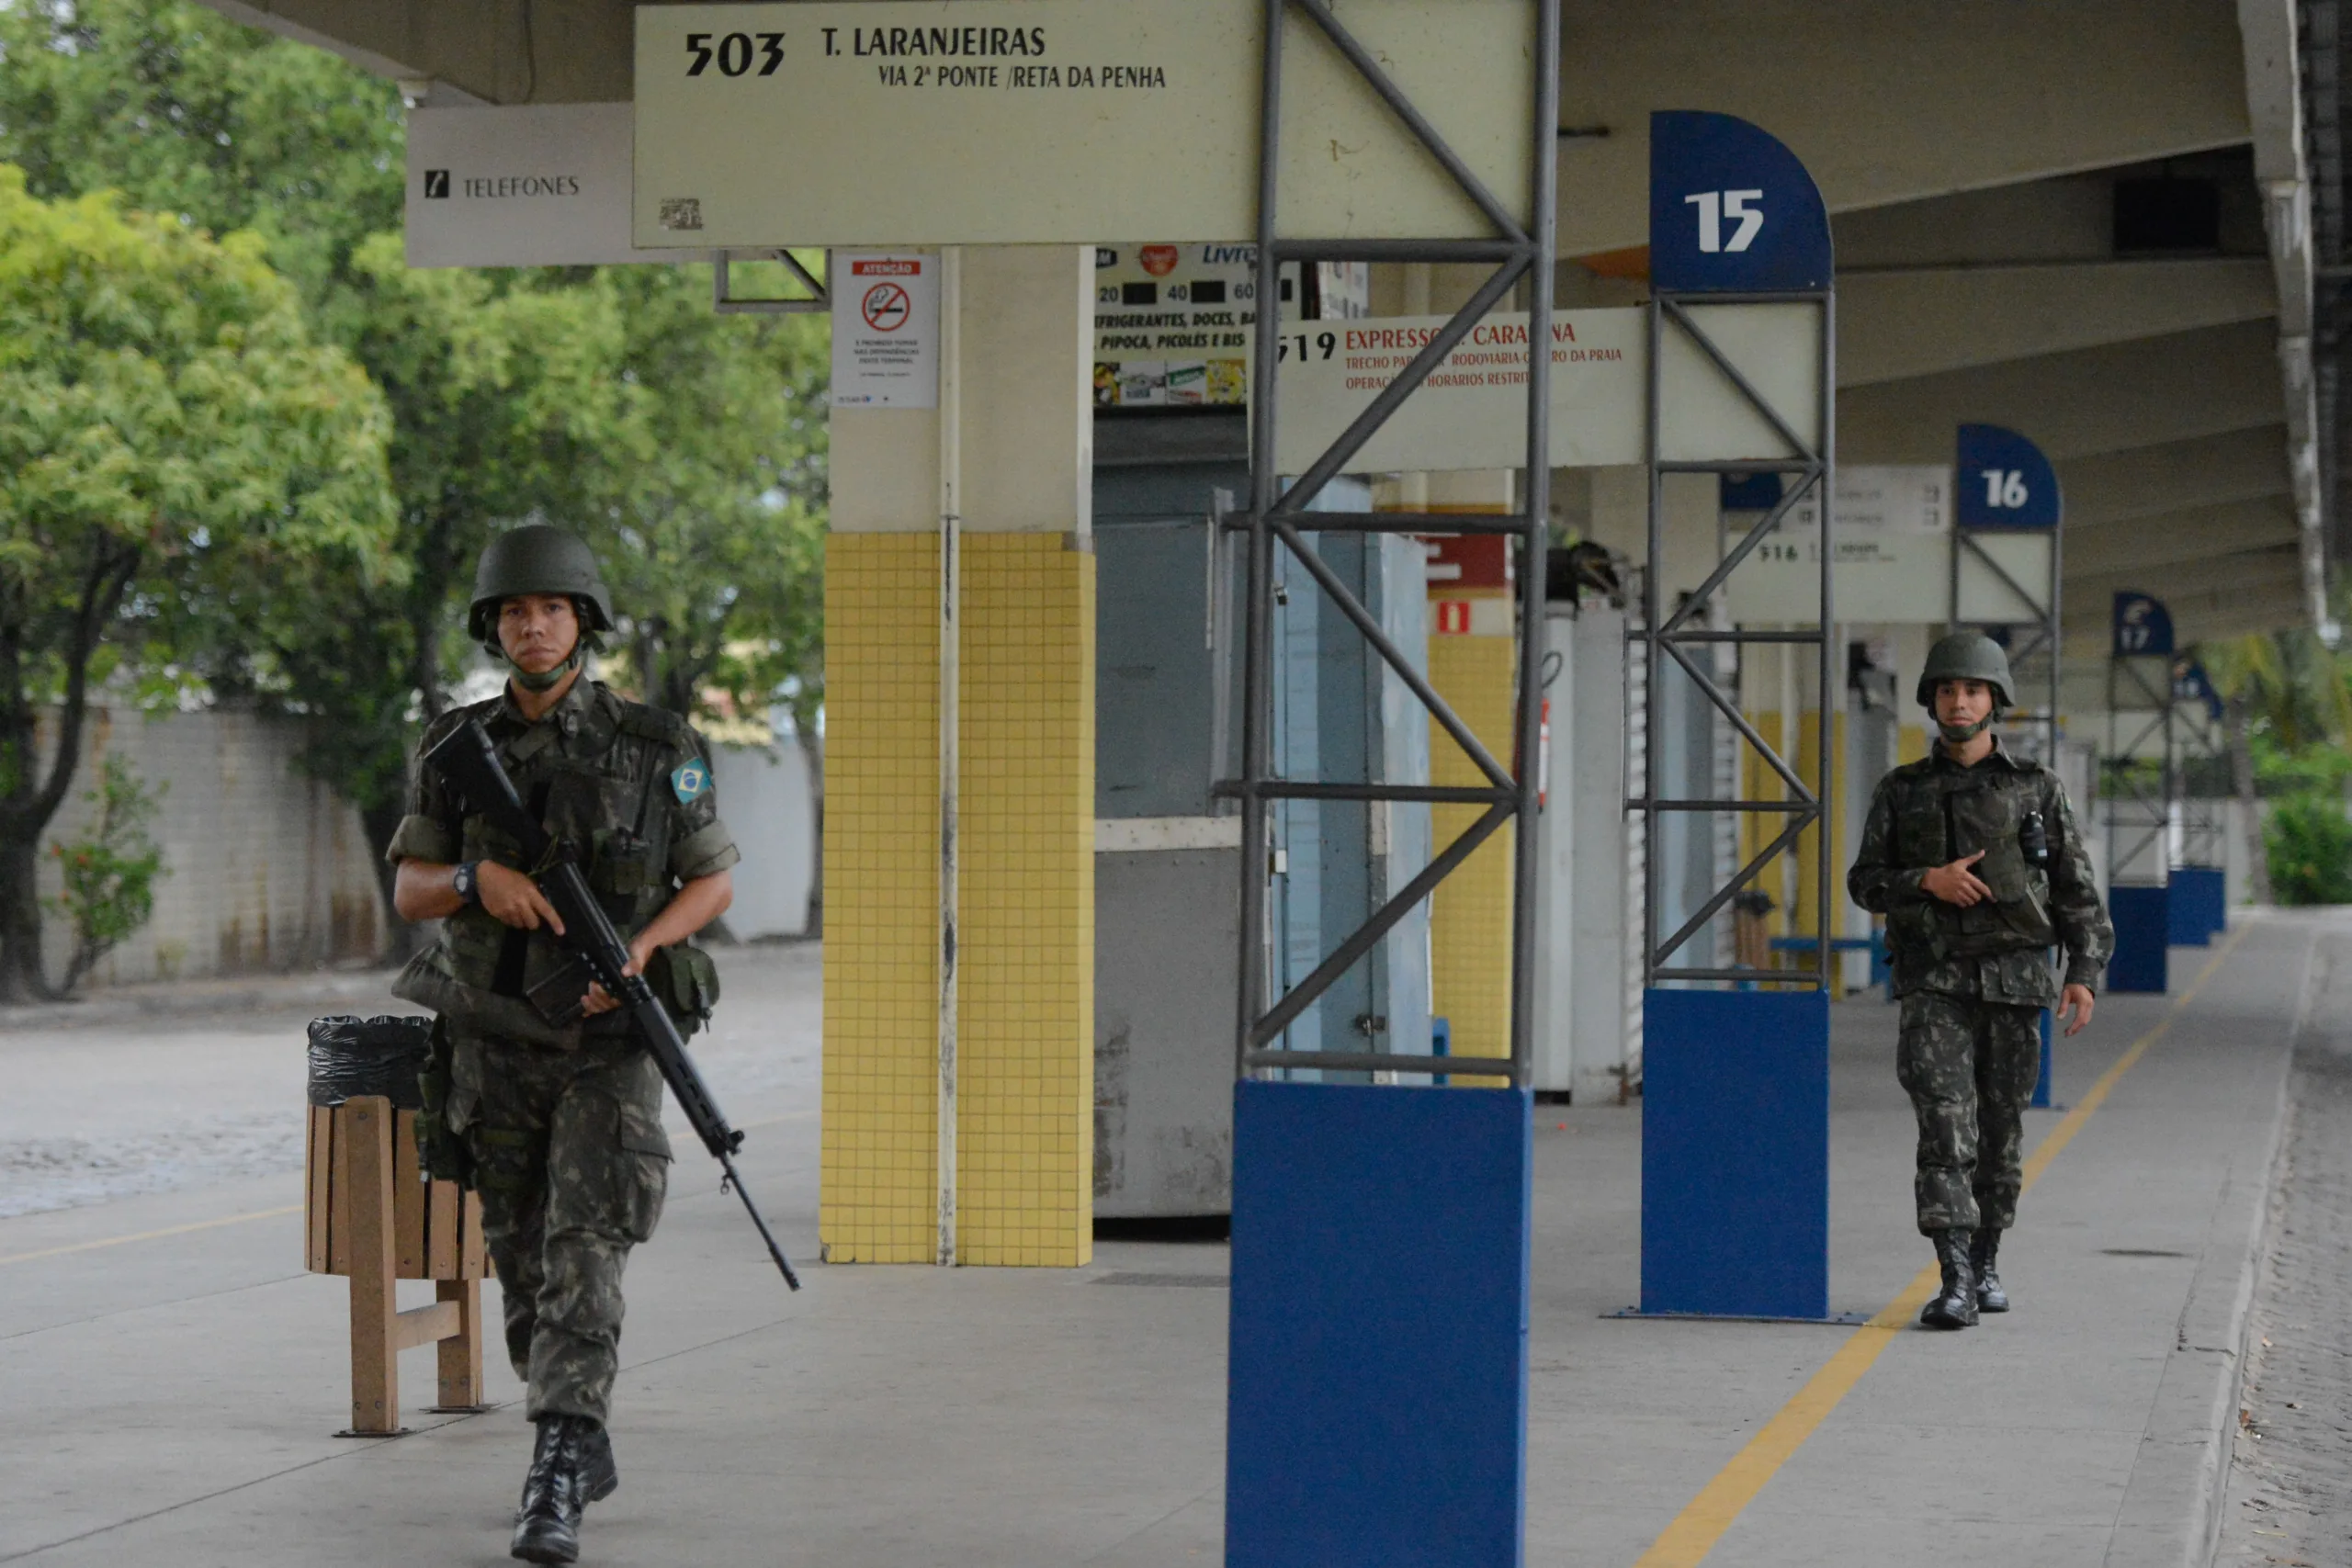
468	760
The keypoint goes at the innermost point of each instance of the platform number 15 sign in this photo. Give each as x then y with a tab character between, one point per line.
1718	206
1732	211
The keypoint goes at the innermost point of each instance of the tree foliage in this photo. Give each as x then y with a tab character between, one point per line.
107	875
177	458
688	447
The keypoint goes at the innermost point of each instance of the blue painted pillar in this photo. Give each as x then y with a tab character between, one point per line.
1377	1413
2142	928
2043	1088
1735	1153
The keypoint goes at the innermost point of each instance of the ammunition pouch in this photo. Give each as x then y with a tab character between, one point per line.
686	982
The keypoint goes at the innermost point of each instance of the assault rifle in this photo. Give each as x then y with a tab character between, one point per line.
467	761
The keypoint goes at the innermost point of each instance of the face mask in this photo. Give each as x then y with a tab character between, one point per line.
1961	734
551	679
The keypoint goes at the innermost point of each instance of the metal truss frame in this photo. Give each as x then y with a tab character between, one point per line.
723	300
2204	831
1519	252
2130	670
2046	631
1668	636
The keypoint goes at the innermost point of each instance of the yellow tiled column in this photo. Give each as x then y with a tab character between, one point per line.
1025	1133
881	866
1473	661
1024	1171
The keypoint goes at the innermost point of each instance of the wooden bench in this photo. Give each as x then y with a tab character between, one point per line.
369	1214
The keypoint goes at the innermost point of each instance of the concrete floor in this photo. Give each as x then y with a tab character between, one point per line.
172	1397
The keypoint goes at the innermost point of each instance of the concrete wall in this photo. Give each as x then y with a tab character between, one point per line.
268	869
766	802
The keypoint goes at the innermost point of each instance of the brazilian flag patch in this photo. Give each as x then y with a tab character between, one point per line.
690	781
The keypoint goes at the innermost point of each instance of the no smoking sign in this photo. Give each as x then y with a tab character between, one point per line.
886	331
886	307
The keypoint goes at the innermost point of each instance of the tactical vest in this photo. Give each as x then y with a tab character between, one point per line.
606	795
1942	814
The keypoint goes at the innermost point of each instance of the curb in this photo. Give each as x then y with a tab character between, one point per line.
2185	1452
368	988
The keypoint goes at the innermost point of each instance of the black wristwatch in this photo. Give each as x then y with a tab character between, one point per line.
466	882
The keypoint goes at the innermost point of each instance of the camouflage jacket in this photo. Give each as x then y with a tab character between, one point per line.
1929	813
629	786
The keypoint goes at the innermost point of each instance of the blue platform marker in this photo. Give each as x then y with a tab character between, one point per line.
2142	924
1377	1410
2041	1086
1735	1153
2199	909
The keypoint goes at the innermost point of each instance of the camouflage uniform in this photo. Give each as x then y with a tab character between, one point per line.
1972	982
560	1116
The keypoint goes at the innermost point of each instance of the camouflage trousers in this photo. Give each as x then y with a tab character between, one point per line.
1970	1067
572	1166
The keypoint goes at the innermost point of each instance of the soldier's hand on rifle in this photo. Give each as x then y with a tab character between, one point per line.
2077	1001
1955	884
601	1000
515	899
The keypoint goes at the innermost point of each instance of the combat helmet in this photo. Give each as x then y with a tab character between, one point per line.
537	559
1965	656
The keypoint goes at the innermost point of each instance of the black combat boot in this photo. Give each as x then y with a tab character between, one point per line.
1982	1253
547	1528
599	1476
1954	1306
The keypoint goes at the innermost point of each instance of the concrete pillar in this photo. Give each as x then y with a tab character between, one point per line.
1022	1089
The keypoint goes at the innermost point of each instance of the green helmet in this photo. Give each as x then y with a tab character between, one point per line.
537	559
1965	656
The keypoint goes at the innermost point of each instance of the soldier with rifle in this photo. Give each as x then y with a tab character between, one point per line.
1974	857
549	826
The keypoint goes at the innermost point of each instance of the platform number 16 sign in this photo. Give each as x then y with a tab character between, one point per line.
1715	207
2005	489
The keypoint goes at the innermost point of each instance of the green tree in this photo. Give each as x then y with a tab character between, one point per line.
174	450
689	446
109	875
706	497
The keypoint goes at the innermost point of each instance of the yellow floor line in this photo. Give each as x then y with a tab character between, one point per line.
152	1236
1696	1529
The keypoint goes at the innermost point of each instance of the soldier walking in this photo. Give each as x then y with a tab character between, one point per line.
540	1095
1974	857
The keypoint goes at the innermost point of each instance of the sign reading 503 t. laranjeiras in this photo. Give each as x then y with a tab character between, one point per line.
910	122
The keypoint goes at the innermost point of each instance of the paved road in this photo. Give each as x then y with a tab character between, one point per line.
130	1098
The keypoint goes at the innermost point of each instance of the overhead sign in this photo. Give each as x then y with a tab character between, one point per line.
1472	411
535	186
1891	531
886	331
2005	481
1172	324
1027	122
2143	625
1732	210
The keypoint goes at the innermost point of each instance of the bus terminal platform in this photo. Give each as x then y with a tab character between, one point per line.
175	1378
